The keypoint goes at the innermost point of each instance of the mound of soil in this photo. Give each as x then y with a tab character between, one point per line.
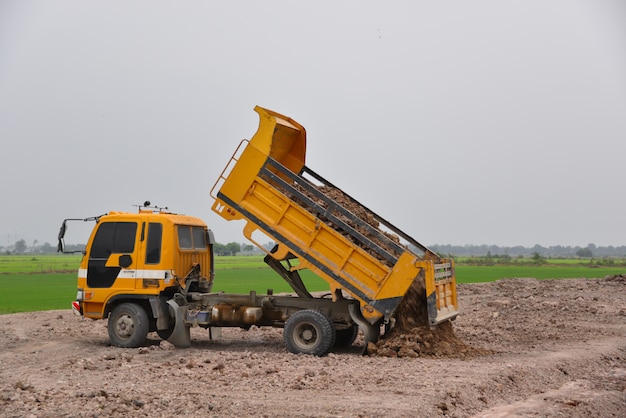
412	336
618	278
411	312
424	342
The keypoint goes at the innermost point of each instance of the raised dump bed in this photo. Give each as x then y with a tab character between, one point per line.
319	227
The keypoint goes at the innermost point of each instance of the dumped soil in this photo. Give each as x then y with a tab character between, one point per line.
522	347
411	335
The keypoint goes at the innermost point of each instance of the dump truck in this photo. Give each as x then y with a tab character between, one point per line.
153	271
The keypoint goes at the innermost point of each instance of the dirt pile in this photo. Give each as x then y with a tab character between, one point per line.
440	342
411	335
412	310
618	278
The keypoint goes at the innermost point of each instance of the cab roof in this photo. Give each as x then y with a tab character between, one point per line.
151	216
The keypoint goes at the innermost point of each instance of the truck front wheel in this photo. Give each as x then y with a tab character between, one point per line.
128	325
309	332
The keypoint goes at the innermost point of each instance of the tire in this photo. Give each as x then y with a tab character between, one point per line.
128	325
345	337
309	332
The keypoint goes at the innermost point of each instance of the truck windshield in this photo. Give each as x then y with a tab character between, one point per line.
191	237
114	237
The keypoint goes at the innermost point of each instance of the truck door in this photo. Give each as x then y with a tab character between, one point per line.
150	257
113	249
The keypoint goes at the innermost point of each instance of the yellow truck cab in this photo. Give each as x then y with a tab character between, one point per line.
140	260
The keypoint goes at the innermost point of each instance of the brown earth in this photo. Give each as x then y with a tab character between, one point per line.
521	347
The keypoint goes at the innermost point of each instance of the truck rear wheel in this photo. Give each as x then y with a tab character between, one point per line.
309	332
128	325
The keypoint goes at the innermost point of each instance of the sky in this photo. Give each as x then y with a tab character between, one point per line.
483	122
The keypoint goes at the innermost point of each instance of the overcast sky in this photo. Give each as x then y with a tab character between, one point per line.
482	122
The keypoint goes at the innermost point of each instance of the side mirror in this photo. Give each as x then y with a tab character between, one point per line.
61	245
125	261
61	236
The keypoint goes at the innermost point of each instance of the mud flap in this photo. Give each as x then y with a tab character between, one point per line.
370	332
180	336
215	333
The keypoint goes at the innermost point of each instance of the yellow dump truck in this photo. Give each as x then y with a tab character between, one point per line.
153	270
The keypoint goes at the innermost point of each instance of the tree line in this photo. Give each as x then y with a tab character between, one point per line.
22	247
234	248
557	251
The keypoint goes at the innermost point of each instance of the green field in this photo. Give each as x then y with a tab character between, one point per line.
45	282
48	263
474	274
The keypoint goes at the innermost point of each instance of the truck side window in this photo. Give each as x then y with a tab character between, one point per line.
153	249
191	238
199	238
184	238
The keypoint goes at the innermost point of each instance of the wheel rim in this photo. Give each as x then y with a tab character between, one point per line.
306	335
124	326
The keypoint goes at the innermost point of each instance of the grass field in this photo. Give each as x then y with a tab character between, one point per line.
474	274
48	263
45	282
